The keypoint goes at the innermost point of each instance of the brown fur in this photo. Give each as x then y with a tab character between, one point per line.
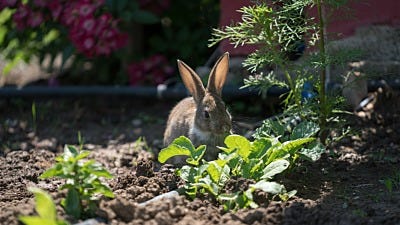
188	118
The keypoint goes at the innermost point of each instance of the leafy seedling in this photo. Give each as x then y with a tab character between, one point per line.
45	208
82	181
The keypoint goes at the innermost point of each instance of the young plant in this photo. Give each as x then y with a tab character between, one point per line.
257	161
82	180
281	31
45	208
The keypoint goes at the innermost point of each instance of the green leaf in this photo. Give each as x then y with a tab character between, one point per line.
269	187
275	167
294	145
50	36
182	146
313	152
248	169
260	146
56	170
171	151
184	142
70	152
215	171
240	143
286	196
35	220
104	190
72	204
304	129
82	155
44	204
102	173
196	155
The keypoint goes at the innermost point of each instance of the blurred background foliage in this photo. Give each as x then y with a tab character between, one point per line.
108	42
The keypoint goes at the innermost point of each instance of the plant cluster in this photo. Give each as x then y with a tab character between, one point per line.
282	31
82	181
258	161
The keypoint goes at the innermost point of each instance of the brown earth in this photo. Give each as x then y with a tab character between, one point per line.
346	186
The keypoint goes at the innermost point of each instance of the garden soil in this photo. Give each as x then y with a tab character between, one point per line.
357	181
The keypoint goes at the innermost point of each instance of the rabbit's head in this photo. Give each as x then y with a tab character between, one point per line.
211	114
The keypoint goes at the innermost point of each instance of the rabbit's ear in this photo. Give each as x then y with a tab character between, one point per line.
218	74
192	81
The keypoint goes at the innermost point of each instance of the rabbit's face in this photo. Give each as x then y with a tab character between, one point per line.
212	116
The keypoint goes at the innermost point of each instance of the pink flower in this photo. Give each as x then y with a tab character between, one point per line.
41	3
36	18
7	4
20	16
87	24
56	9
135	73
154	70
85	9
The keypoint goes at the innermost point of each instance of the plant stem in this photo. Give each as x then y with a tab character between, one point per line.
322	91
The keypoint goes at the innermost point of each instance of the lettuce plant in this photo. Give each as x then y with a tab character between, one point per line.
259	161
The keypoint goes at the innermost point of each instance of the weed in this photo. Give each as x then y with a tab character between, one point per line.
393	182
82	181
34	116
45	208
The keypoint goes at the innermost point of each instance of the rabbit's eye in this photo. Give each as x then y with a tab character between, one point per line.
206	114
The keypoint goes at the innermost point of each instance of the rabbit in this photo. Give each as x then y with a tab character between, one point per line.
203	118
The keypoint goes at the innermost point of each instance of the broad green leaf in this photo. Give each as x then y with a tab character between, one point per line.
104	190
69	152
56	170
286	196
240	143
82	155
248	169
3	32
35	220
44	204
188	173
72	204
209	185
277	152
293	145
197	155
171	151
184	142
214	170
5	15
50	36
269	187
275	167
313	152
260	146
304	129
102	173
228	196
